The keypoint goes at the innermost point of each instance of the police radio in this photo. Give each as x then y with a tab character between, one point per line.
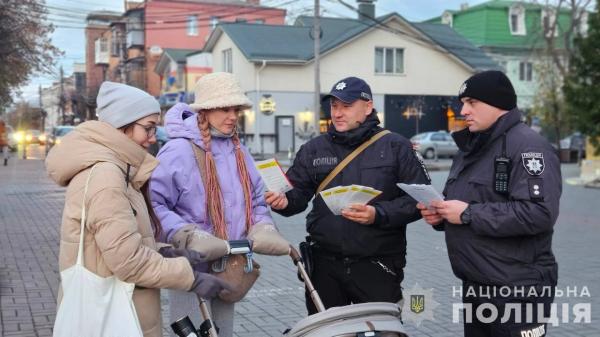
502	170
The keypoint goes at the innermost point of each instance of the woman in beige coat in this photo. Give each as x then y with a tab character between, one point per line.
121	227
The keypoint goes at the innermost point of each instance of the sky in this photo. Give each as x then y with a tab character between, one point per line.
69	18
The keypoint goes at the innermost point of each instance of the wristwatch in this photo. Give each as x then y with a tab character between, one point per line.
465	216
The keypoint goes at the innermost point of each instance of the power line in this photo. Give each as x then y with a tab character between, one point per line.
71	24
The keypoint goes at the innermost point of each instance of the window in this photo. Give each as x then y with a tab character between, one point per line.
116	43
227	61
214	21
548	22
516	20
241	20
525	71
439	137
259	21
103	45
389	60
447	18
192	25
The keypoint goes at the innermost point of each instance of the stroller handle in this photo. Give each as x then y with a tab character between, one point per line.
309	286
295	255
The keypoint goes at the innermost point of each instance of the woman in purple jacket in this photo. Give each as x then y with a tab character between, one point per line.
234	189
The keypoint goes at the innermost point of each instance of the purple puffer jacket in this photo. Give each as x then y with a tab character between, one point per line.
177	191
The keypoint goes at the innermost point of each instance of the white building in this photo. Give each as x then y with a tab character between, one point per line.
409	66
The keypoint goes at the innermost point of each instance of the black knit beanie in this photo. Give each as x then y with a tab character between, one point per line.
491	87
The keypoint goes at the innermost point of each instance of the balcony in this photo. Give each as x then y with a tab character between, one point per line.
135	38
101	52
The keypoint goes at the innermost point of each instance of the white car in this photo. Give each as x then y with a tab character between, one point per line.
430	144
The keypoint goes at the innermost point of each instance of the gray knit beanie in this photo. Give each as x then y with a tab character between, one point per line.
120	104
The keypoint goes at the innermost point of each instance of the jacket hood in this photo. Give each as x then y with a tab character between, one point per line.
93	142
182	122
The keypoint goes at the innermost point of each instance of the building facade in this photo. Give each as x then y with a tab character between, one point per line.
414	71
514	33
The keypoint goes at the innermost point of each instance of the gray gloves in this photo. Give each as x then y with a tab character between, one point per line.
193	256
208	286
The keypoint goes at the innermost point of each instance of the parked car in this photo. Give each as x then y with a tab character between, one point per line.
12	139
32	136
43	138
55	137
572	148
430	144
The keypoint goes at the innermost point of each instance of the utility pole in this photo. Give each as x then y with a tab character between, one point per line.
317	37
61	97
42	111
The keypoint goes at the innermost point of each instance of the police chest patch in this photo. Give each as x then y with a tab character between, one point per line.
533	163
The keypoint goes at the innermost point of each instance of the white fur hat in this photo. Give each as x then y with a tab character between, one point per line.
218	90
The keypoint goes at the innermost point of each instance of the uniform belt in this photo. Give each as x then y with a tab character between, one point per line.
332	256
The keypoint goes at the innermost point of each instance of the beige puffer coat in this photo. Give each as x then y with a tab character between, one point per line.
118	240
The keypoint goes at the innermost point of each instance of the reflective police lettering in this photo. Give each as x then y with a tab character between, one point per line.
325	161
535	332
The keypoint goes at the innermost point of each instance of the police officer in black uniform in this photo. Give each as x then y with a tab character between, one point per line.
360	255
502	198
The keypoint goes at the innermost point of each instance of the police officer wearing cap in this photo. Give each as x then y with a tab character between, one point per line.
502	198
360	255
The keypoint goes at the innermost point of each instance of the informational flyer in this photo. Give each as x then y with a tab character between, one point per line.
340	197
422	193
273	176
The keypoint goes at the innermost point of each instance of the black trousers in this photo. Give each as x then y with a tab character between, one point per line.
521	322
340	281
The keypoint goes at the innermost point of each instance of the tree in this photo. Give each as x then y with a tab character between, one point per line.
554	57
25	46
582	86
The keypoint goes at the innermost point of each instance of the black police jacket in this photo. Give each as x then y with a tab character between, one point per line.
509	239
388	161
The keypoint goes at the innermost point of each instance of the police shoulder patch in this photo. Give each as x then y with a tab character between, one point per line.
533	162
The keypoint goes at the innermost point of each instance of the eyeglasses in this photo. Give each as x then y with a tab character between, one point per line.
150	130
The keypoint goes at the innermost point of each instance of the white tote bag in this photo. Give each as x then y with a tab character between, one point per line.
94	306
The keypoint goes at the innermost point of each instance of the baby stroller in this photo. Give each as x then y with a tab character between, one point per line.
377	319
